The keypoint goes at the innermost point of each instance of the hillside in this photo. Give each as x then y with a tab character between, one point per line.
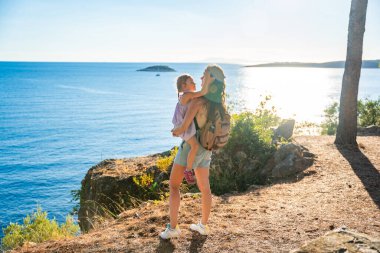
340	189
333	64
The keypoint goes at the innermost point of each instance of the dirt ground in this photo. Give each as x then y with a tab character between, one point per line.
341	188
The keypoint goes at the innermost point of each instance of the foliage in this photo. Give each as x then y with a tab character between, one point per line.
150	188
150	185
307	128
369	112
147	187
37	228
75	197
144	187
330	123
144	181
164	163
235	167
265	118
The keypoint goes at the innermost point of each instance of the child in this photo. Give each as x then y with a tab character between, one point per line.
186	91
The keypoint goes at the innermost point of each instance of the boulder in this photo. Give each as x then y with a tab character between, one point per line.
369	131
288	160
115	185
284	130
341	240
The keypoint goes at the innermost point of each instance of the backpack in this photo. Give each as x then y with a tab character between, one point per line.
214	135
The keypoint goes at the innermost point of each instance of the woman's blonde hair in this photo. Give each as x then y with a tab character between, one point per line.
217	72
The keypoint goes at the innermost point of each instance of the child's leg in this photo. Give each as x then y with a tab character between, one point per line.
194	145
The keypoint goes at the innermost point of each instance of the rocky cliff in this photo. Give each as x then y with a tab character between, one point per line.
115	185
341	188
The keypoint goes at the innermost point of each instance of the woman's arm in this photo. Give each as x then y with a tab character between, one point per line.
191	95
194	107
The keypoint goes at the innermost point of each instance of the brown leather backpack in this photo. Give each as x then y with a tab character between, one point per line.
215	134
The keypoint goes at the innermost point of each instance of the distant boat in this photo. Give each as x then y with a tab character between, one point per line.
158	68
157	74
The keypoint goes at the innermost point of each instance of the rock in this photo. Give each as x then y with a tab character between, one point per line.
289	159
113	186
158	68
285	150
284	130
369	131
285	167
341	240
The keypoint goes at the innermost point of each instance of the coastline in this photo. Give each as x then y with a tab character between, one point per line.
366	64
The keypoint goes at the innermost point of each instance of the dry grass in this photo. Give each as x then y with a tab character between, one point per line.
342	188
125	167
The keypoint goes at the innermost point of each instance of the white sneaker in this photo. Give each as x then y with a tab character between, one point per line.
170	232
200	228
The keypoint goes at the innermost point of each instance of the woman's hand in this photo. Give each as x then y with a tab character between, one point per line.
207	79
204	89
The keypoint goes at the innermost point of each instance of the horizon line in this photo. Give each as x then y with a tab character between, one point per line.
194	62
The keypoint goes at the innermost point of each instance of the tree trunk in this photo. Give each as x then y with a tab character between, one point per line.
347	128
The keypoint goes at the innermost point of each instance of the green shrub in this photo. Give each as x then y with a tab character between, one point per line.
235	167
330	123
163	163
150	185
147	188
37	228
75	198
369	112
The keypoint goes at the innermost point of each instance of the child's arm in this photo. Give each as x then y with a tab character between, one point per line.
190	95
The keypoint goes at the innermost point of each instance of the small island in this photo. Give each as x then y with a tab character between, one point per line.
158	68
366	64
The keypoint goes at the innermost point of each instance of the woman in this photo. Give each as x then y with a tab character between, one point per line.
202	109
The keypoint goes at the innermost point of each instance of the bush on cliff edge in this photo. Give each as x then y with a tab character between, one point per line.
235	167
37	228
368	115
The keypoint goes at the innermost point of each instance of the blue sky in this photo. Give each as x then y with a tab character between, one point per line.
240	31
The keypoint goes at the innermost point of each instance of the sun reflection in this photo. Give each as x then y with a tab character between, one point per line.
299	93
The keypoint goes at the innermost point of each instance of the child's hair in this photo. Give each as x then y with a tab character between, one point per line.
181	80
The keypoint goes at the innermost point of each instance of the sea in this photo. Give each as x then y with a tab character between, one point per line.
57	120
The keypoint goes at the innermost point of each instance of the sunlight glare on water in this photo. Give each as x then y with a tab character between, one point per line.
299	93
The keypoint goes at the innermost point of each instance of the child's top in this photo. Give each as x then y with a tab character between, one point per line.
179	115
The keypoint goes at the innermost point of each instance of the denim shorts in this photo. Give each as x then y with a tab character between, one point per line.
202	159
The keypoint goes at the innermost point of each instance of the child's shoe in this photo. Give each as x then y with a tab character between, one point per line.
170	232
189	176
200	228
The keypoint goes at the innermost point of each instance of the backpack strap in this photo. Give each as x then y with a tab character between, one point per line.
196	124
